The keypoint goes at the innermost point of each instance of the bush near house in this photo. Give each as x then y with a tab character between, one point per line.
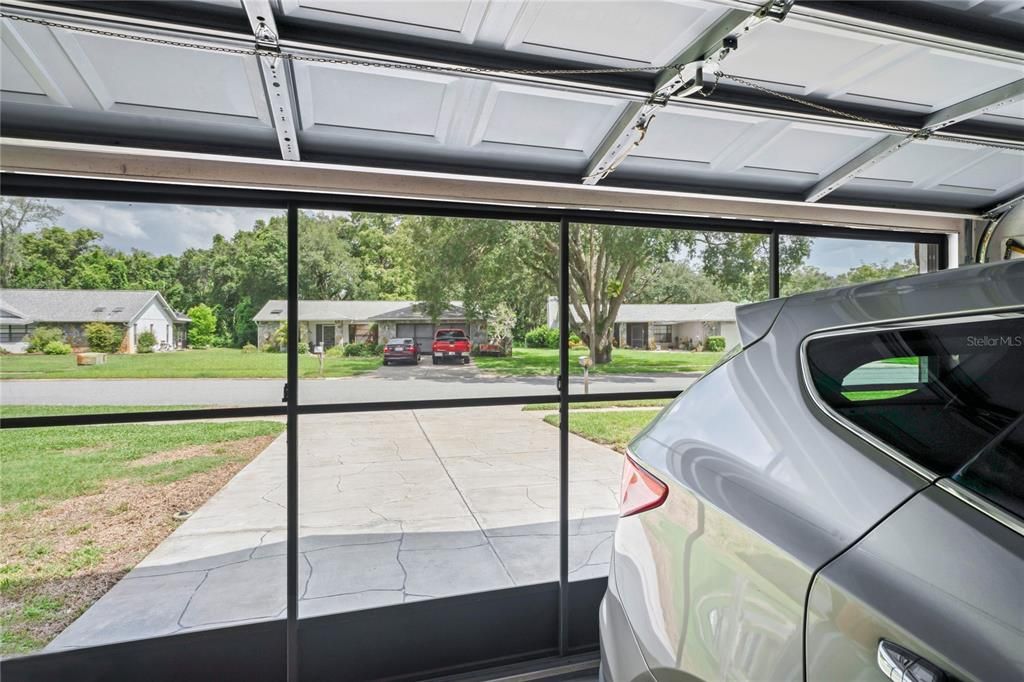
542	337
203	328
362	350
145	343
103	337
41	337
248	348
57	348
715	344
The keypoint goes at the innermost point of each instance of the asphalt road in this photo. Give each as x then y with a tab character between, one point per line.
423	382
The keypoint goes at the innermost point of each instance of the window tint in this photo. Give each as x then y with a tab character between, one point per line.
947	395
451	335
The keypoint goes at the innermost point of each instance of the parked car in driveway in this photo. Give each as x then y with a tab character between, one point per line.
842	498
401	350
451	344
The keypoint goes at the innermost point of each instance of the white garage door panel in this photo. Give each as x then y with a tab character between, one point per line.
808	149
124	73
799	57
455	20
996	171
693	137
637	32
365	99
931	79
525	116
14	76
919	164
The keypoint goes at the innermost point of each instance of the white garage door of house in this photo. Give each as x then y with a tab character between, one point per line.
423	333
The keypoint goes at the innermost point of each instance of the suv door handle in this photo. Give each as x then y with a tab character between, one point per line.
902	665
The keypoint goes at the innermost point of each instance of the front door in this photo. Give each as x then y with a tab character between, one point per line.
637	335
325	335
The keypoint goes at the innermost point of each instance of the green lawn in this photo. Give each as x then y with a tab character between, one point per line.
544	361
65	410
597	405
56	463
191	364
614	429
857	396
81	505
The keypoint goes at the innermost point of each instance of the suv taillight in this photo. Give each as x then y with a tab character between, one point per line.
640	491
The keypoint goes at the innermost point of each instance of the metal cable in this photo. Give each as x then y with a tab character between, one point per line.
474	70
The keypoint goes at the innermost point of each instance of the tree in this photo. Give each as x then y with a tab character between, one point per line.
17	213
49	257
327	269
674	282
486	262
806	278
203	326
738	263
500	326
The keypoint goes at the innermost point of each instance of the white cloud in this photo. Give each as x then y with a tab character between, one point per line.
158	228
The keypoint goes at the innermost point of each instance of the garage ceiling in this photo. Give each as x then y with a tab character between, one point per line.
882	72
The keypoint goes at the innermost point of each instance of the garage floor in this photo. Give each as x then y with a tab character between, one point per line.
394	507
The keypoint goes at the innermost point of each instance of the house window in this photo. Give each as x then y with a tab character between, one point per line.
13	333
662	333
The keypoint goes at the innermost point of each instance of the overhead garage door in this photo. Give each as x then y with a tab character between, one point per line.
423	333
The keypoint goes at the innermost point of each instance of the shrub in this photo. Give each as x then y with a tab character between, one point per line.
362	350
335	351
203	326
42	337
280	337
715	344
270	348
57	348
542	337
103	337
146	342
248	348
575	340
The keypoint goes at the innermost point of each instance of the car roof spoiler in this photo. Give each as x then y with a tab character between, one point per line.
755	319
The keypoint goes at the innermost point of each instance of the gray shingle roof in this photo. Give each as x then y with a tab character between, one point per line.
79	305
309	311
672	313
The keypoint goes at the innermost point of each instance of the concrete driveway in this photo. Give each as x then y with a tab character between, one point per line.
400	382
394	507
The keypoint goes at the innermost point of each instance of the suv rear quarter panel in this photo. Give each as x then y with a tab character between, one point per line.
714	582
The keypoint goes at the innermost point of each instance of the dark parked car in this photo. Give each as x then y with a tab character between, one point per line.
841	499
401	350
451	344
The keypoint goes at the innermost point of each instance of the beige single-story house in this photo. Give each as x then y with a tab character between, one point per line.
667	325
135	312
332	323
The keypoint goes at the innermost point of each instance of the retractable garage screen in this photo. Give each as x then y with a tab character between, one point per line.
589	189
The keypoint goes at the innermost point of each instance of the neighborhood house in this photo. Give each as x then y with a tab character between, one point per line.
135	312
680	326
332	323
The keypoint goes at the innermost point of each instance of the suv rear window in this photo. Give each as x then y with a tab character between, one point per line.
948	395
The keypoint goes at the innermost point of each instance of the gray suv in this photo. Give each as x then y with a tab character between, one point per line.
841	499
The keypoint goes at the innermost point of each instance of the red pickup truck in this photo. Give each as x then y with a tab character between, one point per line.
450	344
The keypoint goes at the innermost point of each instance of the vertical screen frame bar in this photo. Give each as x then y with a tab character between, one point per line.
292	475
563	437
773	264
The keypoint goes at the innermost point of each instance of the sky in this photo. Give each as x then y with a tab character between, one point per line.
170	229
158	228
